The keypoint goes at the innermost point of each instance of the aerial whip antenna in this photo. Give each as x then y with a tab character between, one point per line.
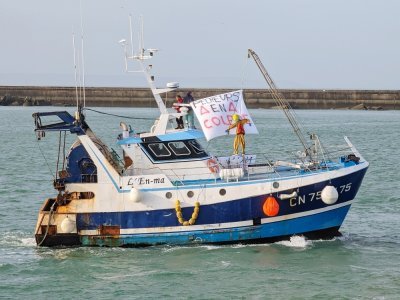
141	36
76	75
131	33
83	60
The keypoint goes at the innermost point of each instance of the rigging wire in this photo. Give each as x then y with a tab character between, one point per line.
65	137
75	69
115	115
83	58
58	156
44	157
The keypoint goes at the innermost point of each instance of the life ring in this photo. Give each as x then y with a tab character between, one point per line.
213	165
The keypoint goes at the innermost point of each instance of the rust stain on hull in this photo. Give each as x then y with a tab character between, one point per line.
51	231
114	230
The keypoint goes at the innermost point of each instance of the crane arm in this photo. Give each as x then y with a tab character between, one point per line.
281	101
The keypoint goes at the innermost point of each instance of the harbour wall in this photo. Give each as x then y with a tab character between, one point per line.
255	98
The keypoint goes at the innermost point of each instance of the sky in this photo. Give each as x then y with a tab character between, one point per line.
304	44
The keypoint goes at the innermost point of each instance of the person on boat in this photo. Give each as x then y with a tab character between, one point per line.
189	118
240	132
179	120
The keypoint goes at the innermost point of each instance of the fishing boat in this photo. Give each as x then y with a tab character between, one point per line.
168	189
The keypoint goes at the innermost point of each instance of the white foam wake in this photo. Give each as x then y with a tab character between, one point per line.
296	241
17	238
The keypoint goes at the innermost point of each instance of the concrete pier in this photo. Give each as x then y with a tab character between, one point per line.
255	98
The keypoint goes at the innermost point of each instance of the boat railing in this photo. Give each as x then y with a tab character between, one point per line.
261	168
111	156
293	162
326	159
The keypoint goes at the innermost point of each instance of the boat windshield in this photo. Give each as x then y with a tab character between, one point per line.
174	150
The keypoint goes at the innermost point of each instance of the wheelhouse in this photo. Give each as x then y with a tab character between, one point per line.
170	151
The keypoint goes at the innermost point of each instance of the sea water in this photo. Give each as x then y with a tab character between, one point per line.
363	263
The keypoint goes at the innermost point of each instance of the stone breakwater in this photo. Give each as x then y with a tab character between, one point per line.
255	98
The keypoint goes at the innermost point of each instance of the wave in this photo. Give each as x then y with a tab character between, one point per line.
17	238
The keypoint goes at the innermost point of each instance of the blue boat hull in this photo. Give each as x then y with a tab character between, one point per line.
236	221
321	225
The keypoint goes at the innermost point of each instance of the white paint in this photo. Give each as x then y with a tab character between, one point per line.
231	174
287	196
134	195
329	195
68	225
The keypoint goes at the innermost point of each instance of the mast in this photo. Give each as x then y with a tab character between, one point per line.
144	54
281	102
141	57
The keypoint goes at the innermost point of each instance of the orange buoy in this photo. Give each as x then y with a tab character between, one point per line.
271	207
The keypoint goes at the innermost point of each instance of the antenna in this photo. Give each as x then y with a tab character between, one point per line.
83	60
124	44
78	68
141	36
131	33
76	79
143	55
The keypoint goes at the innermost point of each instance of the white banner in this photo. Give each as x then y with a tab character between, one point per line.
215	114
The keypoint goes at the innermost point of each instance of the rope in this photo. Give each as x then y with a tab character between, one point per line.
48	223
114	115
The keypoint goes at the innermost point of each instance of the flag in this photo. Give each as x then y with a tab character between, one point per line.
215	114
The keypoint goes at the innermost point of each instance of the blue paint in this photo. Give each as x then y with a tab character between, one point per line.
68	122
181	135
314	222
130	140
75	165
225	212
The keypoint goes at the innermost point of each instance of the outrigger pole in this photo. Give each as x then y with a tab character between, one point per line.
281	102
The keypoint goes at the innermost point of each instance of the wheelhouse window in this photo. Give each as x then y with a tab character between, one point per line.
173	150
196	147
179	148
159	150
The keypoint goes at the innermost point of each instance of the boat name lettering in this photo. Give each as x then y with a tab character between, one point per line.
302	199
144	180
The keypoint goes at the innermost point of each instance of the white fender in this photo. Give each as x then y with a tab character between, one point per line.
68	225
134	195
329	195
287	196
